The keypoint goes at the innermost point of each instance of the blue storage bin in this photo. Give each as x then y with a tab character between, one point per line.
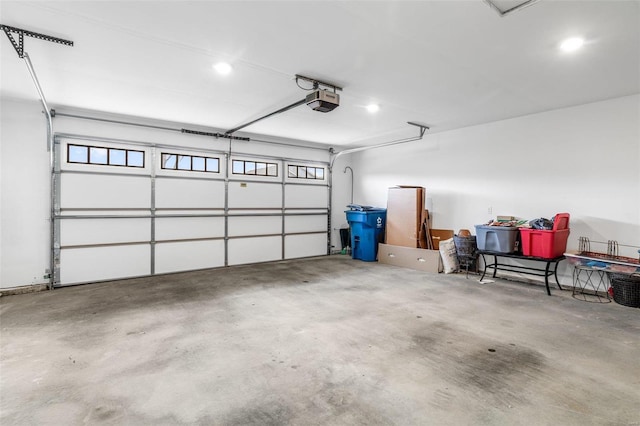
367	230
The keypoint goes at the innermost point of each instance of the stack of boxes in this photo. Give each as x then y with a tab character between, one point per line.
407	221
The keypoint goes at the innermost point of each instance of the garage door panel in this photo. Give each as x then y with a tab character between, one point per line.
104	191
104	263
253	250
176	228
306	196
189	193
189	255
120	222
305	245
306	223
104	231
255	225
255	195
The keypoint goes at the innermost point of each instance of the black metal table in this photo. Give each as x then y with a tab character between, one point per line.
546	272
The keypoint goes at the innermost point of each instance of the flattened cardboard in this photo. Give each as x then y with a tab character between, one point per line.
426	217
413	258
438	235
405	208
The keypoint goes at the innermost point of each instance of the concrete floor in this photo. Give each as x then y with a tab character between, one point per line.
318	341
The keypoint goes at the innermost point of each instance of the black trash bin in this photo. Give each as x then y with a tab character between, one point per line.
345	238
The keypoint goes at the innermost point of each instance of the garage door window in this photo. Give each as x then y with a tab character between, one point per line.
305	172
193	163
85	154
258	168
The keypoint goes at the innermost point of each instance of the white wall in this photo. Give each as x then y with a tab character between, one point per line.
24	194
584	160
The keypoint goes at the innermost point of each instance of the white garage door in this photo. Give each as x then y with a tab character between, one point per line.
129	209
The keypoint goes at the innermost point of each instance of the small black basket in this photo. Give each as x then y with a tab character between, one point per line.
466	249
626	290
465	246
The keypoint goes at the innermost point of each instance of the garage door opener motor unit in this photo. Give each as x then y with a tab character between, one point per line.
323	100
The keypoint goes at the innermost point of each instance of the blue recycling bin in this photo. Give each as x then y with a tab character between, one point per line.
367	230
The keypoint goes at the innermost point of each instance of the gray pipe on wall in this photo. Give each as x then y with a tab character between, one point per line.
345	171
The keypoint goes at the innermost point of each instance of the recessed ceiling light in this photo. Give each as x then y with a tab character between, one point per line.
373	108
572	44
222	68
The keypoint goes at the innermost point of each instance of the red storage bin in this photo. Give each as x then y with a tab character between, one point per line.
546	243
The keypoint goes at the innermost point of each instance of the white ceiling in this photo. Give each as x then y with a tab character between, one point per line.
447	64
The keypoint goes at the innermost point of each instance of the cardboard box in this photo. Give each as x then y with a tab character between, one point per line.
438	235
405	211
413	258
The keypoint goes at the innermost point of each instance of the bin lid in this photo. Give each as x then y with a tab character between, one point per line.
504	228
361	208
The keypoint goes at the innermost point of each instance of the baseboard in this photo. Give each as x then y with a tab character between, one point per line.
23	289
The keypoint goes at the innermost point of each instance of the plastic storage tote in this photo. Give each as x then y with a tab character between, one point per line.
547	244
367	230
501	239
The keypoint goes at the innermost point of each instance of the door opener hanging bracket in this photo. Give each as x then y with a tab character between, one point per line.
423	127
18	45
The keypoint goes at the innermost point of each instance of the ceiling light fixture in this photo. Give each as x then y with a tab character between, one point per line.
373	108
223	68
572	44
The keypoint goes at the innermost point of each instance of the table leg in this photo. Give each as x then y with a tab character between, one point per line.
484	269
495	265
546	278
555	274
